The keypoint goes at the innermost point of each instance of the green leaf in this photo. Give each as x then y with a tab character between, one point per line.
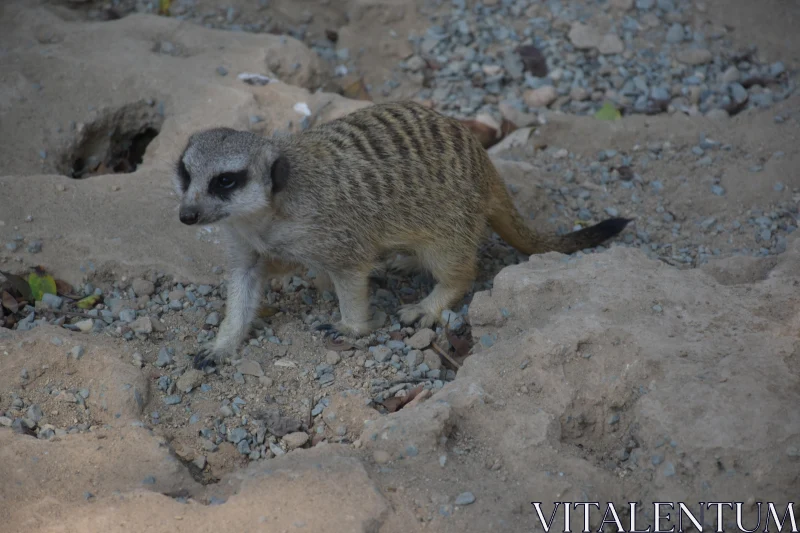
41	284
608	112
89	302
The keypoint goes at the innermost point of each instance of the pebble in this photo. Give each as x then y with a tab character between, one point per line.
35	247
381	354
142	325
249	367
143	287
381	457
76	352
465	498
34	412
421	339
295	440
332	358
127	315
190	379
164	357
695	56
541	97
174	399
52	301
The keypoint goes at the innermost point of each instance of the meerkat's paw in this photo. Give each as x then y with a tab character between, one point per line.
342	329
410	313
208	356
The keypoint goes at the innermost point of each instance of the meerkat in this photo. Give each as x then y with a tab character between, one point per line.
339	197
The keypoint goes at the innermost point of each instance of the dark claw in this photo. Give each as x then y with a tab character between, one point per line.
204	359
329	330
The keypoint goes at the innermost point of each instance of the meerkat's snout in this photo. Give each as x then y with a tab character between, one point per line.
189	215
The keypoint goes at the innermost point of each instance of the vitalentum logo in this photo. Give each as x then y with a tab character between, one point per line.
669	517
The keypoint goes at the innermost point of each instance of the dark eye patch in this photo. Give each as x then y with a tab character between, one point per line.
183	175
223	185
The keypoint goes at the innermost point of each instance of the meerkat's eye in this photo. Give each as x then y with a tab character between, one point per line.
223	184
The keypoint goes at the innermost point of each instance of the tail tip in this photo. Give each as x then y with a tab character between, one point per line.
613	226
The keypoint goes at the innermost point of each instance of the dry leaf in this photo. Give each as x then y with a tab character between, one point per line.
9	302
533	60
461	346
487	135
267	311
395	403
356	90
19	285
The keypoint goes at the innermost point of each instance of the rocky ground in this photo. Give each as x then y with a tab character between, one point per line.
660	368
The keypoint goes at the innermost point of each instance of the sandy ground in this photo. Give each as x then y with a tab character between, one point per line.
624	375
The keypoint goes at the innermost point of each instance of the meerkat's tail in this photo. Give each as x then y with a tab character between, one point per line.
509	224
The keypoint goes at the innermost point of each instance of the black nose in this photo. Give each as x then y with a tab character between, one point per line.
189	216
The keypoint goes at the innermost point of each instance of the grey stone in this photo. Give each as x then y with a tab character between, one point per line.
52	301
127	315
174	399
164	357
381	353
34	412
421	339
77	352
465	498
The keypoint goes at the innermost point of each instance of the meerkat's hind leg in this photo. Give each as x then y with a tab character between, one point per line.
454	274
352	288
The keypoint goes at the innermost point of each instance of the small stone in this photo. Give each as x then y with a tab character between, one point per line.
142	325
421	339
249	367
669	469
56	341
222	71
34	412
381	354
657	308
265	381
5	421
675	33
731	75
432	359
52	301
295	440
143	287
85	326
127	315
149	480
718	190
695	56
332	357
381	457
77	352
164	357
200	462
541	97
465	498
174	399
35	247
413	358
189	380
238	435
657	460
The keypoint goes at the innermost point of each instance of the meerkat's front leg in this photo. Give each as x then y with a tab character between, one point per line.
352	288
245	285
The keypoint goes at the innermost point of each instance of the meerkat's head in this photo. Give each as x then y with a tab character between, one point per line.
224	173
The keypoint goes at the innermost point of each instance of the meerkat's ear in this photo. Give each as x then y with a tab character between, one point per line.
279	173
